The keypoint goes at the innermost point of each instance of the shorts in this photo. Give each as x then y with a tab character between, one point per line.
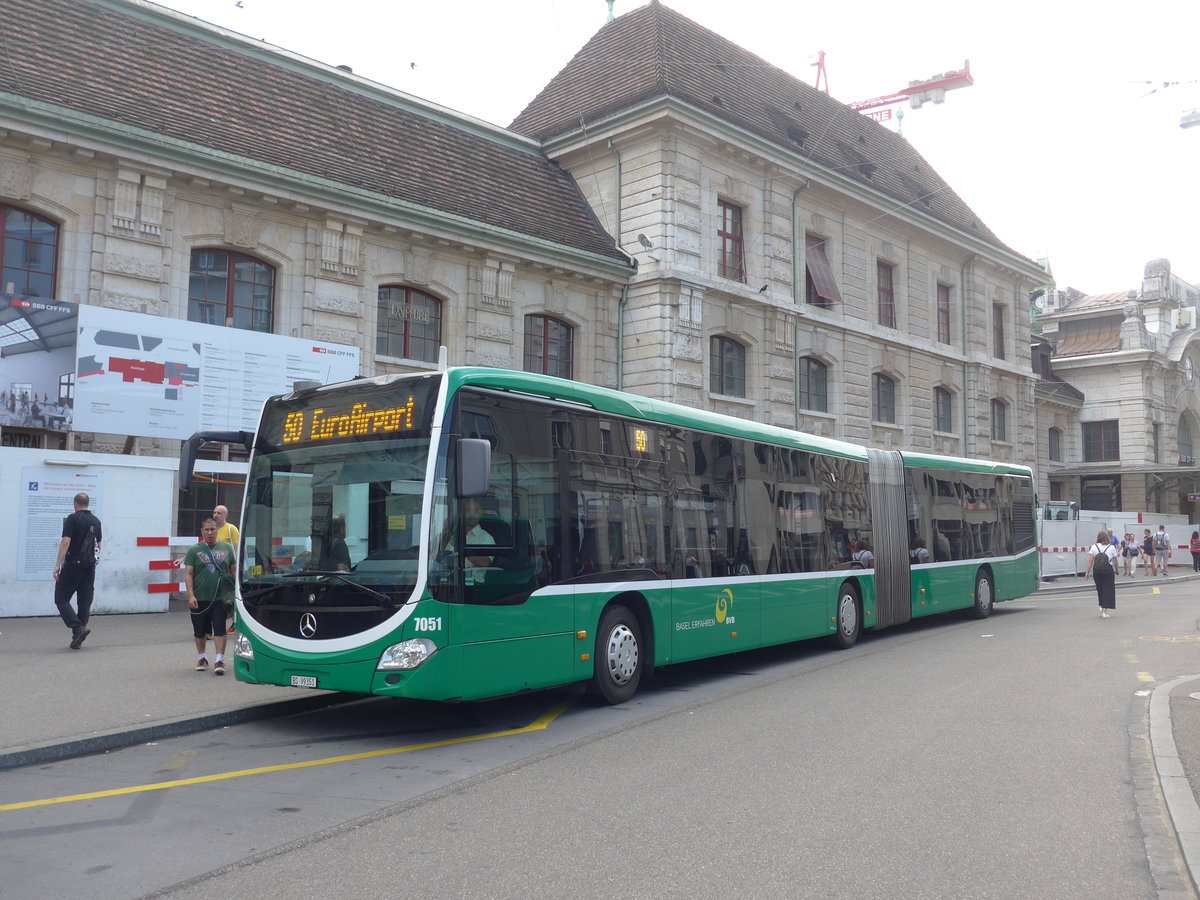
207	617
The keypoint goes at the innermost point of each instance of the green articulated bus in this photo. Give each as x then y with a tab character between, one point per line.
476	532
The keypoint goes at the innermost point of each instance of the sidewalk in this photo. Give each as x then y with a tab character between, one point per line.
132	681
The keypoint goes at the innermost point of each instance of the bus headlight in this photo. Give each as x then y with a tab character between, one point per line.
242	648
407	654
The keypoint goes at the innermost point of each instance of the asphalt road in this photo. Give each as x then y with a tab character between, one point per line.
950	758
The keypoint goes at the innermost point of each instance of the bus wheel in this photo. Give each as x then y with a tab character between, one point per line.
983	596
618	658
849	617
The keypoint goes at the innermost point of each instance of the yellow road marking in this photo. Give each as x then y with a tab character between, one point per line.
1155	590
1132	658
540	724
1185	639
1145	676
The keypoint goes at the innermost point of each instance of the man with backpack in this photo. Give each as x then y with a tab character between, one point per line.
1162	547
75	568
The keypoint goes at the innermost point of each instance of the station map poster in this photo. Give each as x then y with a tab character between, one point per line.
47	497
157	377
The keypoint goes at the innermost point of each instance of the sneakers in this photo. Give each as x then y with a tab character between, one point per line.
219	667
202	664
1105	615
79	637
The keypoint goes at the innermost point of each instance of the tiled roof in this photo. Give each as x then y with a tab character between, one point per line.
146	70
654	52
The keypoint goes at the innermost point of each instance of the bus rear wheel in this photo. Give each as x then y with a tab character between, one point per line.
849	617
984	596
618	658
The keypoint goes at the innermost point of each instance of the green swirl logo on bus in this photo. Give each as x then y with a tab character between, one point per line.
724	604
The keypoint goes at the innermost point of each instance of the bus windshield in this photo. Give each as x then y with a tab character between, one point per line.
336	486
348	510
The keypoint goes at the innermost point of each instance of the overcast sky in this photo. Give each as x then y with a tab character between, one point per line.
1068	145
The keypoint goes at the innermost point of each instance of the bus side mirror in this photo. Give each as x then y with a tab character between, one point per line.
474	466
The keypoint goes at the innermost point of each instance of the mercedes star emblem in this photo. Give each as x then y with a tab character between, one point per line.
308	625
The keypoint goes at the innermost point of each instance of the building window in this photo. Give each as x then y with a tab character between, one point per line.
820	287
1055	445
943	410
410	324
999	420
729	235
228	288
28	253
727	374
1101	441
887	296
66	389
943	313
814	385
998	331
549	346
1156	444
883	399
1185	441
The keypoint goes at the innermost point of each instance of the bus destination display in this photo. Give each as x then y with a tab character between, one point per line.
335	422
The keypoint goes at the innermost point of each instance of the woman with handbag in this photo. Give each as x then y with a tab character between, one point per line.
1102	568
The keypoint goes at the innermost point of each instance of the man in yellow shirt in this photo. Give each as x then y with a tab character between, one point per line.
226	531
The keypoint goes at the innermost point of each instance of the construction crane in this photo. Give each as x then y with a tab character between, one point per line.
918	93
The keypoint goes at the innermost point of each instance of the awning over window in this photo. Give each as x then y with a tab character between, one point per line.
819	269
1090	336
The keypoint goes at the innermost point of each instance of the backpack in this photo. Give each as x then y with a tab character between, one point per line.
88	554
1160	540
1101	564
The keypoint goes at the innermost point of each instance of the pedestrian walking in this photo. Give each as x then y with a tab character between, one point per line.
1129	555
75	568
227	532
1103	570
1194	546
1148	564
1162	547
208	574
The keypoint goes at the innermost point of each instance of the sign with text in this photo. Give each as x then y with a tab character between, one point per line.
155	377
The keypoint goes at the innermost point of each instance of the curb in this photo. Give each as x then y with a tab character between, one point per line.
56	751
1176	789
1068	583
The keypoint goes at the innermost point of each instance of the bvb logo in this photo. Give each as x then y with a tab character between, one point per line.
724	602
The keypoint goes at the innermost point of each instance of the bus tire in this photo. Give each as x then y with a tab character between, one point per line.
984	595
849	617
618	659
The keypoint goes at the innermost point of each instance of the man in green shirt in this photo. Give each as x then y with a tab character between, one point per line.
208	573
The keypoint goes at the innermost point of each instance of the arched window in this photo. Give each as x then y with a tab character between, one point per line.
999	420
549	346
1055	437
229	287
943	410
727	367
410	324
1185	438
883	399
28	253
814	385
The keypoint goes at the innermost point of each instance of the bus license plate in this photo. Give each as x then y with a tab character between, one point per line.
304	681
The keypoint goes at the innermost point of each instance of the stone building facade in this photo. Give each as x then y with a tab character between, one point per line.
1130	441
712	232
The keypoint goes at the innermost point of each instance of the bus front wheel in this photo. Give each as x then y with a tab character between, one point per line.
618	657
983	596
849	617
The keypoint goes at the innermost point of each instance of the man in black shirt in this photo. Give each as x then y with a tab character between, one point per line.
75	568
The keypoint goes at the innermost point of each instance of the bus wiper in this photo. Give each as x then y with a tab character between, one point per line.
246	598
345	579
